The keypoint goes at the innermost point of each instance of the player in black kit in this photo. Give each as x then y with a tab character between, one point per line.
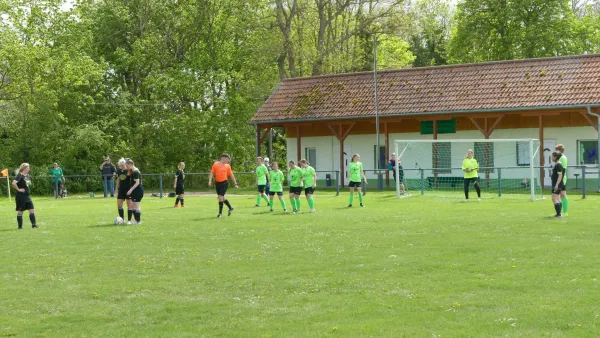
136	190
122	188
23	199
178	185
558	185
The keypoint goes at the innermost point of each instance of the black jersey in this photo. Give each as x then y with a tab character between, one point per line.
22	183
558	168
180	177
124	181
135	175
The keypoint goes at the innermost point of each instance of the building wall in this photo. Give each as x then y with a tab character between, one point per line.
328	154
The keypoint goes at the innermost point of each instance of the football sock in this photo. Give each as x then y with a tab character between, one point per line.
558	208
360	197
266	199
129	214
258	199
282	201
227	204
477	189
351	198
467	188
32	218
298	203
177	201
181	200
121	213
20	220
138	215
220	207
565	204
293	201
271	204
311	203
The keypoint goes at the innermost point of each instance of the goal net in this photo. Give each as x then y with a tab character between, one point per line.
506	167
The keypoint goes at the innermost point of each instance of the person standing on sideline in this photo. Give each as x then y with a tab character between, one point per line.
356	175
276	178
123	185
470	166
262	180
309	176
178	185
136	190
108	171
57	180
23	198
295	186
558	172
564	200
221	171
269	168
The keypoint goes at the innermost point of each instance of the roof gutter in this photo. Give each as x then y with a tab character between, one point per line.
492	110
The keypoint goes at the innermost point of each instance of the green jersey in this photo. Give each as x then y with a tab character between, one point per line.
296	177
470	163
564	162
355	169
309	176
56	174
276	177
261	174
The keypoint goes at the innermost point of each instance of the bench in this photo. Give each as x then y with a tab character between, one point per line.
446	180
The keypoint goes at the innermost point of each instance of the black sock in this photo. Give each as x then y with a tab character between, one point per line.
467	184
121	213
220	207
20	221
32	218
177	201
181	200
129	214
558	208
138	216
477	189
227	204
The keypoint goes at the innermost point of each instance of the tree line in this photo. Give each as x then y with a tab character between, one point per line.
165	81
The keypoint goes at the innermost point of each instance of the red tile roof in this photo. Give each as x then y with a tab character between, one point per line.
493	86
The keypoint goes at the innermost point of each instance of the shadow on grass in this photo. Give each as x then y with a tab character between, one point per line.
106	225
12	229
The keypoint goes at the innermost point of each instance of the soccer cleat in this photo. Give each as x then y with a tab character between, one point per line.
558	216
33	226
182	206
479	199
362	205
136	222
129	222
219	216
312	211
271	210
20	228
176	206
349	205
285	211
257	206
230	211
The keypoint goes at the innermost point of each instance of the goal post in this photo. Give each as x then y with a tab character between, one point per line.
507	167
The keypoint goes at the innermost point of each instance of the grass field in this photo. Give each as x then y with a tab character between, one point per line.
415	267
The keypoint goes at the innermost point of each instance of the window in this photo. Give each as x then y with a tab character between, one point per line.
441	157
311	156
484	154
588	152
523	154
382	161
444	127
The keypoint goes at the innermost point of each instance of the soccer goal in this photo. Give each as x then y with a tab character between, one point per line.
506	167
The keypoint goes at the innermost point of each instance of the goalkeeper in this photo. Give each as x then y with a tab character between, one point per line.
470	167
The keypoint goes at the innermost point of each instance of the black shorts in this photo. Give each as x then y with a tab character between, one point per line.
221	188
309	191
354	184
296	190
122	195
471	180
23	202
261	189
561	188
272	193
137	195
179	189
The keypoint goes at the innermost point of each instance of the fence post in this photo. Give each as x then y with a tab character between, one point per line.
422	181
364	187
337	182
499	182
583	180
161	185
56	189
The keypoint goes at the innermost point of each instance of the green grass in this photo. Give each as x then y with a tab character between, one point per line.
416	267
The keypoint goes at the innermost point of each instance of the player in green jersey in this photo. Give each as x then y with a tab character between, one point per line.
563	193
356	173
262	180
470	166
276	178
295	185
309	176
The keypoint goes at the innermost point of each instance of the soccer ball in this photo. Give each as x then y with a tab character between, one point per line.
118	220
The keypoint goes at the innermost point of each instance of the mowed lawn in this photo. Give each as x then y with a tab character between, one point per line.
416	267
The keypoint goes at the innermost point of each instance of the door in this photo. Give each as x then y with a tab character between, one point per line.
548	149
347	160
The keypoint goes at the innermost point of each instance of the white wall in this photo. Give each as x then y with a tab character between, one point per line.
328	156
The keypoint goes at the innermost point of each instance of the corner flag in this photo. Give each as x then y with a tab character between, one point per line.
4	172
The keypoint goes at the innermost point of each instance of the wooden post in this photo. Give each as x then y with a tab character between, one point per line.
257	141
541	151
387	153
298	144
341	136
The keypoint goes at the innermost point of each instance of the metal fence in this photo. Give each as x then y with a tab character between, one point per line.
159	185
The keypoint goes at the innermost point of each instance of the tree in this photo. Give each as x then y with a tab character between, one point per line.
430	32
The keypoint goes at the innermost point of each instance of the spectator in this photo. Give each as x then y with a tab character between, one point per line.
57	180
108	171
392	168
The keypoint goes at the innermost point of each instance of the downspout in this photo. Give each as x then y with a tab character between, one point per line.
589	110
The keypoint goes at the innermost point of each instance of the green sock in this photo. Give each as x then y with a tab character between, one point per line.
271	204
311	203
258	199
360	197
351	197
293	201
565	204
298	203
266	199
282	201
